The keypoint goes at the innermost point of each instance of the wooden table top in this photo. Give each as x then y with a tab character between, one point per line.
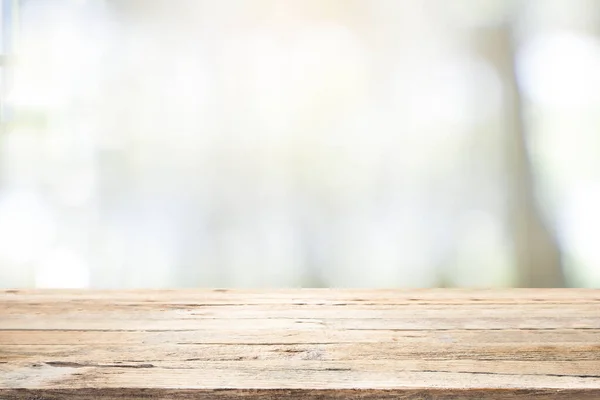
300	344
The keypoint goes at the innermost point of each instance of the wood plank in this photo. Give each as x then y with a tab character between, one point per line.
294	336
315	296
304	343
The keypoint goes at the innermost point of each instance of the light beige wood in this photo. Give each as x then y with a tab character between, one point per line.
300	344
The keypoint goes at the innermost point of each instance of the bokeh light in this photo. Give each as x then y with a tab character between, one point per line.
196	143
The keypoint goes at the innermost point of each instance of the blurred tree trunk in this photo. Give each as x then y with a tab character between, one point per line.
537	254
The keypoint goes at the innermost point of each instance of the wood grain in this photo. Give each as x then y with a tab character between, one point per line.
300	344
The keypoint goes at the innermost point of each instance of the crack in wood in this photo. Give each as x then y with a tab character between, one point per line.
81	365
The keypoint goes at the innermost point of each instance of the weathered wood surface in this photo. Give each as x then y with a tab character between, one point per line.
300	344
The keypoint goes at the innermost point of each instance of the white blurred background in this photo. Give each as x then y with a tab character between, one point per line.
287	143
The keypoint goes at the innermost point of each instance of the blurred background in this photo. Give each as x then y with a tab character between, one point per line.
300	143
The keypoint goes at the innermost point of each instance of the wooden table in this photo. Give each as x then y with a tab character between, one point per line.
300	344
